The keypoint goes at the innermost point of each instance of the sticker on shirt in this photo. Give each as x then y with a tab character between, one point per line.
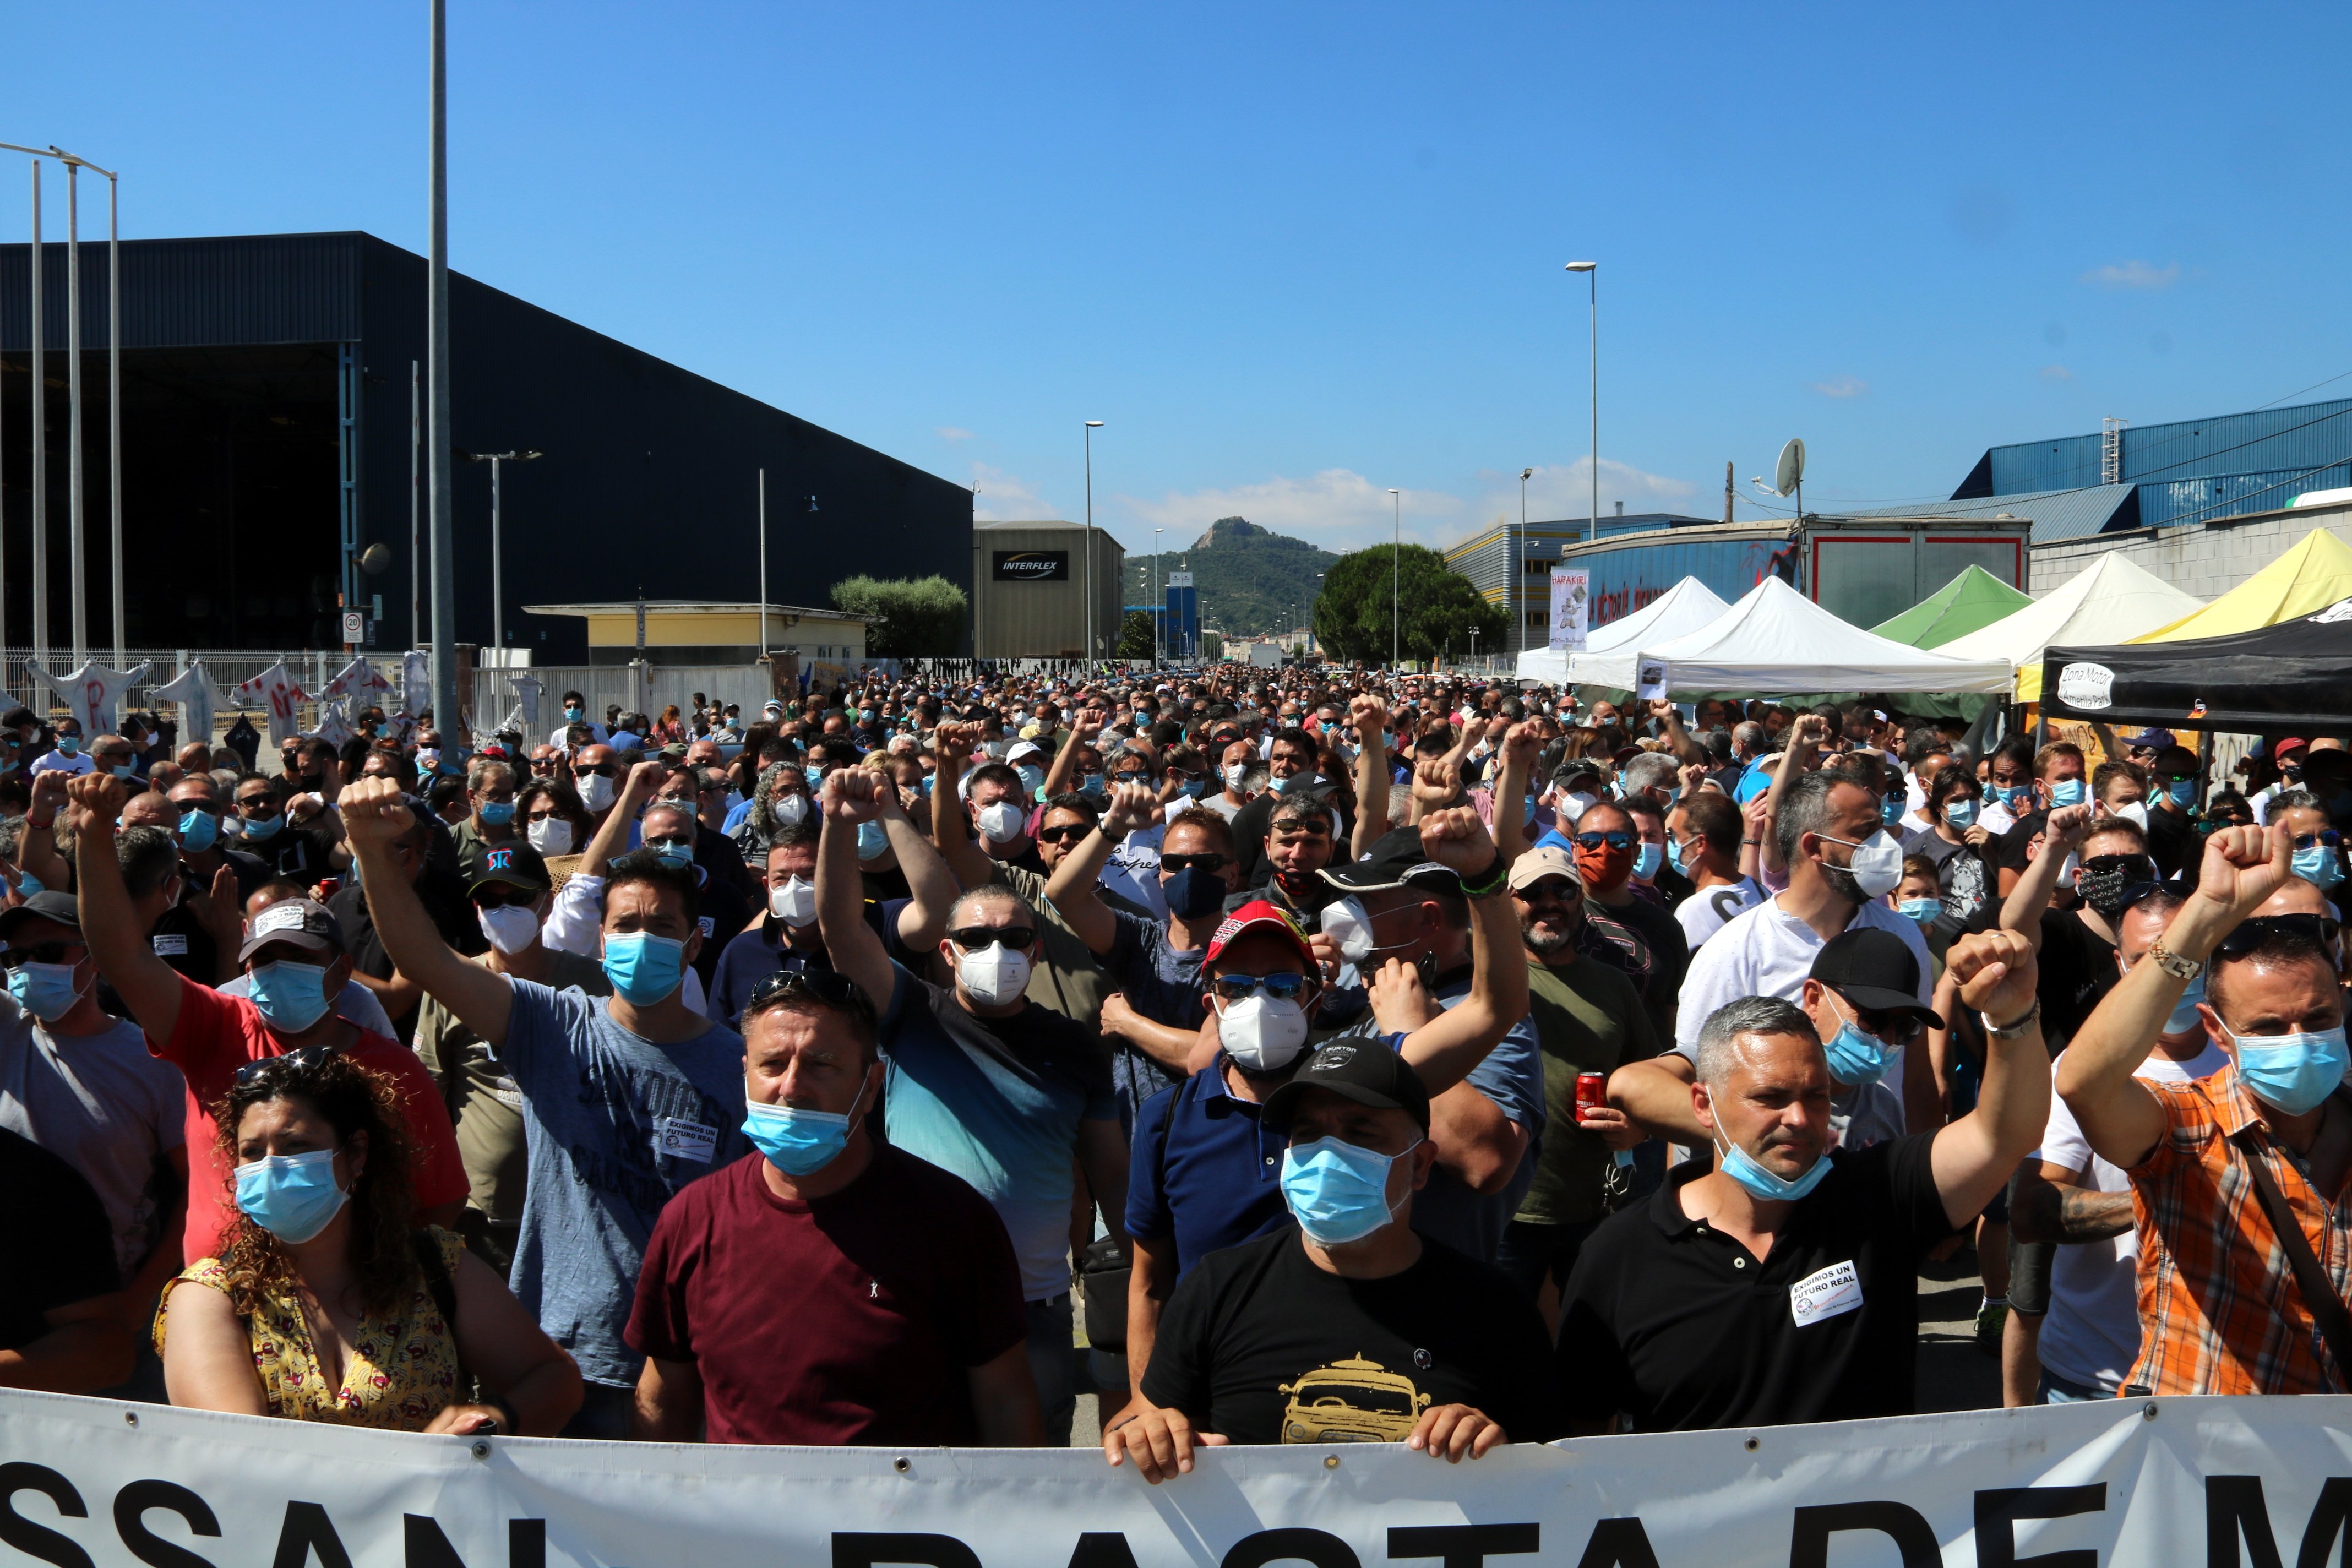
709	926
1352	1401
1831	1293
682	1139
171	945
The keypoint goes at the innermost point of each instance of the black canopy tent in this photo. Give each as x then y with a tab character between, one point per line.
2291	677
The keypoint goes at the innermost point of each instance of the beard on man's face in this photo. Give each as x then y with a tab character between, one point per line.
1549	934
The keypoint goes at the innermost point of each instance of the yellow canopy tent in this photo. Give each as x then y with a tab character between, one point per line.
2315	572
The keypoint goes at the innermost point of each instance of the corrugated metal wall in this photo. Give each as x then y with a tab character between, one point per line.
179	293
2193	471
1045	619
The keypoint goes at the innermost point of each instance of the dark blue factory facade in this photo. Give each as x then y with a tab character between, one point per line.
267	445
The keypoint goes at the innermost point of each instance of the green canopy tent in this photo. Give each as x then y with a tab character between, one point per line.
1970	601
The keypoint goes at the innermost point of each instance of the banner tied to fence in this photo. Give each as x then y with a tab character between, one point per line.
2219	1482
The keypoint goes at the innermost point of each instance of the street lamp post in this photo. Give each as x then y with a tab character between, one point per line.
1396	573
1592	271
1158	598
1092	425
497	461
1517	595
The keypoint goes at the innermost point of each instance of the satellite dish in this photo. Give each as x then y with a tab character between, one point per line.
1791	473
376	559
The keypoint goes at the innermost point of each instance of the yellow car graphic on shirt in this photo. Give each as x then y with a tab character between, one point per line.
1352	1401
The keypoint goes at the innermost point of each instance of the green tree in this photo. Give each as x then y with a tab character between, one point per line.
1134	636
1434	604
906	617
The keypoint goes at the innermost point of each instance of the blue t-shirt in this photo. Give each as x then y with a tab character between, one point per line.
998	1102
736	819
1164	983
1752	785
1512	1076
1205	1171
615	1126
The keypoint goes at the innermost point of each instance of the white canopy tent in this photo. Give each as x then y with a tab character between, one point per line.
2110	601
1685	608
1777	640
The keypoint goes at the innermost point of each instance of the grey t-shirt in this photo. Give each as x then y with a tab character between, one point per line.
105	1106
615	1125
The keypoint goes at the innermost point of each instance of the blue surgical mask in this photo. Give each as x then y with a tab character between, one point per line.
264	827
1890	809
1855	1059
2183	793
1761	1183
673	856
872	841
2292	1072
2184	1016
1922	911
46	991
198	829
497	813
798	1142
291	1196
1646	858
2013	795
2318	865
1337	1192
573	714
1199	789
1961	813
1032	779
125	770
645	969
68	744
1091	784
290	996
2066	793
1674	856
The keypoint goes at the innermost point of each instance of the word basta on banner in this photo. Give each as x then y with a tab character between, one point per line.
2212	1482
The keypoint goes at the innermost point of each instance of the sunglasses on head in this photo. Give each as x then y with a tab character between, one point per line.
46	952
1613	840
2317	931
292	1061
1283	987
975	939
1208	861
827	986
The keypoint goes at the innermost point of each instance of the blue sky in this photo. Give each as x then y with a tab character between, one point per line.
1293	256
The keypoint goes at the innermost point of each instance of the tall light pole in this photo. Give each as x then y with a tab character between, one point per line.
73	411
1159	605
498	462
446	714
1592	271
1092	425
1517	597
1396	573
764	565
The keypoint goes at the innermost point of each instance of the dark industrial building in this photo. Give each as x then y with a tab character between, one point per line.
267	447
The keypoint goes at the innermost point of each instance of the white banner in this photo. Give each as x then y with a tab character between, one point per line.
1571	602
85	1483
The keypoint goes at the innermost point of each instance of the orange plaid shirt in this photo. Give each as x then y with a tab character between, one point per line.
2219	1310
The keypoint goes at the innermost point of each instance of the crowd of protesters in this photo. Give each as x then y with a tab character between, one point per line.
1334	1056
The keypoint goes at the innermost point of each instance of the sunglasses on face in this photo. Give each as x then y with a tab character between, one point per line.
46	952
1065	834
976	939
252	802
1282	988
307	1058
497	895
2316	929
1895	1028
209	807
2326	836
1604	841
1206	861
601	770
1550	891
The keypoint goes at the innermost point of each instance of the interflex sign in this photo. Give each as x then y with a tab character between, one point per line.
1032	566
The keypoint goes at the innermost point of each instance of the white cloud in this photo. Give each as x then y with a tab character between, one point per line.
1841	386
2056	373
1337	509
2133	275
953	433
1000	497
1567	491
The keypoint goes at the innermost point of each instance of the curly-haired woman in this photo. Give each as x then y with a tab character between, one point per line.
324	1304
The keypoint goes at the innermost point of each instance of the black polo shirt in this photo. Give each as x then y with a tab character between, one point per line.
1674	1324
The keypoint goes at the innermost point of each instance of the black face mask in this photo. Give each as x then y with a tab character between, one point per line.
2106	880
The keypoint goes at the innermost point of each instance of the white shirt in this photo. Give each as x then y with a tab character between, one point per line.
562	738
1767	952
1709	909
2091	1336
58	762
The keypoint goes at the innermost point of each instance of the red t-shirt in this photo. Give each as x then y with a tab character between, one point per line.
852	1320
215	1035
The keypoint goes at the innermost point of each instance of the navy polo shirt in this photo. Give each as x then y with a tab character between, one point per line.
1204	1169
759	952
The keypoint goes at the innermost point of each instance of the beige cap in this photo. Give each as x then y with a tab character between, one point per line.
1536	864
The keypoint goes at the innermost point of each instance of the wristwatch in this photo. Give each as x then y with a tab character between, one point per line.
2172	963
2015	1026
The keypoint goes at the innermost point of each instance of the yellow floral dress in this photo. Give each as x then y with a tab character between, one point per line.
403	1370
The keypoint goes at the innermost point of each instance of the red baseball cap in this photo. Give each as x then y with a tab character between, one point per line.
1252	916
2281	747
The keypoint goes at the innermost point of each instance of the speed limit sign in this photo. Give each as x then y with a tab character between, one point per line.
355	626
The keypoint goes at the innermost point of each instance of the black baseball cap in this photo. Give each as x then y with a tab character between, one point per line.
516	864
300	921
49	904
1873	969
1396	860
1363	1069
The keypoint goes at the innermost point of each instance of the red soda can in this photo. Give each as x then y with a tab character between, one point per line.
1592	1092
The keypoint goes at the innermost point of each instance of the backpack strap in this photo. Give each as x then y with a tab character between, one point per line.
442	1288
2318	1292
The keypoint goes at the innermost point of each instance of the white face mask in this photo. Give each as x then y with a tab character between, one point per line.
549	836
1569	808
1235	773
1263	1034
1349	927
793	902
791	810
595	792
1001	822
994	975
510	927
